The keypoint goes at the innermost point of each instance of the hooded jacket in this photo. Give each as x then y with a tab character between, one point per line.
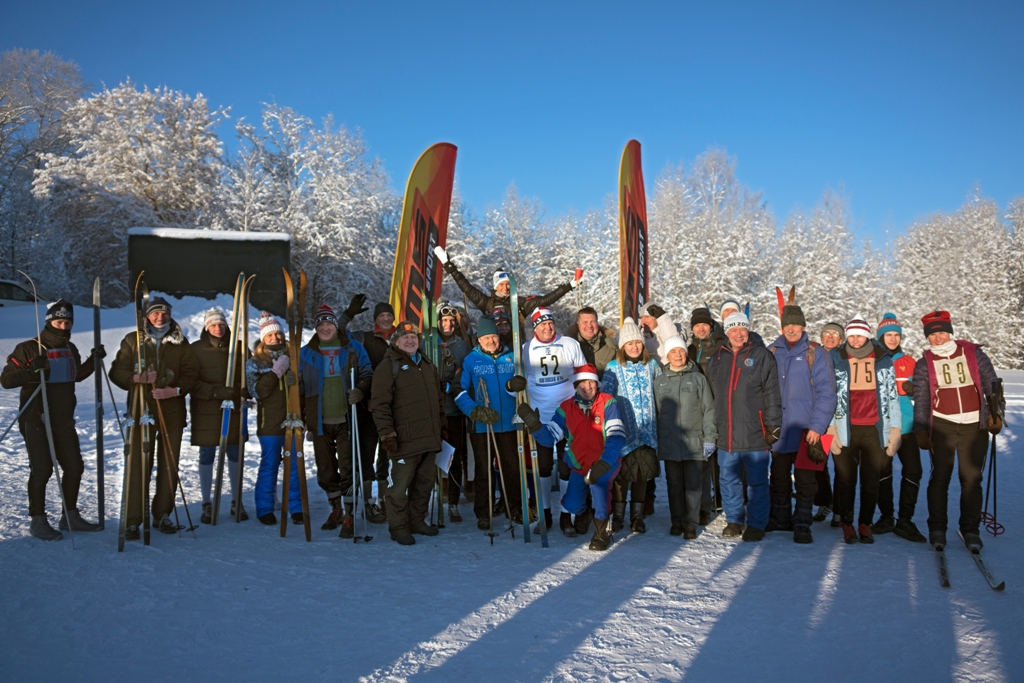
808	395
747	398
885	393
600	351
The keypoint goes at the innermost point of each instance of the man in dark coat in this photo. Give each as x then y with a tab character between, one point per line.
407	406
171	371
51	353
748	414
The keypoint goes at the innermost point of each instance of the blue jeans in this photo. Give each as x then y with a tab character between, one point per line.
266	477
575	498
756	464
207	454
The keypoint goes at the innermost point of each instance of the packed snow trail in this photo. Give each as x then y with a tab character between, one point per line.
240	603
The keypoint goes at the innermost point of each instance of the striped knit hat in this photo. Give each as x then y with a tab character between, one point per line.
268	324
540	315
858	326
889	324
325	314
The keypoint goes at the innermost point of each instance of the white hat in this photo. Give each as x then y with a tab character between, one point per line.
858	326
629	332
736	319
674	342
728	304
585	372
268	323
500	276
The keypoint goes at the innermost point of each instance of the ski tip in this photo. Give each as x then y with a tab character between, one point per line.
1000	587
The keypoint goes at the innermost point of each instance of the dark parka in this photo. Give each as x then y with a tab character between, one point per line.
686	413
452	353
700	350
60	396
406	401
212	355
172	353
601	351
488	303
270	393
747	398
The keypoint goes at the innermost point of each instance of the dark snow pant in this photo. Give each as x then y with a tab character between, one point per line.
709	476
865	453
166	473
40	466
967	445
457	438
509	467
375	458
910	480
783	473
410	483
684	480
824	482
333	453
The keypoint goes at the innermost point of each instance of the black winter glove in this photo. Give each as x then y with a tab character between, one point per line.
99	352
289	378
516	384
38	363
356	306
772	435
226	394
529	416
597	470
816	453
924	440
908	387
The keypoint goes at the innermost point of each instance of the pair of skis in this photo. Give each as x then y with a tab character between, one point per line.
293	426
523	437
429	326
979	560
239	338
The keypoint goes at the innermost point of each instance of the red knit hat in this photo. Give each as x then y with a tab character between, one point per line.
584	372
325	314
937	321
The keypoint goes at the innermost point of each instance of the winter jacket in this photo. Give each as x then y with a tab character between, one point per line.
655	340
747	398
904	366
495	371
172	353
312	368
451	355
406	402
488	303
808	396
885	393
270	392
591	434
686	413
700	350
983	375
600	351
207	414
60	396
374	343
632	385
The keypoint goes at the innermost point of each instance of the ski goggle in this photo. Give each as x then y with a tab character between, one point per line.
446	309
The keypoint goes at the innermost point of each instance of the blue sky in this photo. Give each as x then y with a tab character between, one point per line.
906	106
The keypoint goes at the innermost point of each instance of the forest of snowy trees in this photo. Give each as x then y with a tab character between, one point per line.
79	168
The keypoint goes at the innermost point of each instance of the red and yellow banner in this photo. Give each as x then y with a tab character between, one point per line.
428	196
633	275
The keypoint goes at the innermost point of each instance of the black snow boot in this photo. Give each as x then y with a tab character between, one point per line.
565	524
42	530
548	520
618	516
207	515
297	519
131	533
781	516
883	526
402	537
822	513
732	530
752	534
582	522
908	530
802	519
453	514
77	523
636	518
602	539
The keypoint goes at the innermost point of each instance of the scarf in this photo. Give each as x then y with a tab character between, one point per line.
53	338
945	350
862	352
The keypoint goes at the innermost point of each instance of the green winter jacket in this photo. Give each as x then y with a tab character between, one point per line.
686	413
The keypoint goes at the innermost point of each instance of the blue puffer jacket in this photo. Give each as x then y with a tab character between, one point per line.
495	371
808	398
311	379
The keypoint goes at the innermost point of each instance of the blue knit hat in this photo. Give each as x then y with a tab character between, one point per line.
486	326
889	324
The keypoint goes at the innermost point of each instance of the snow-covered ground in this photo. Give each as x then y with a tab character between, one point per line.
237	602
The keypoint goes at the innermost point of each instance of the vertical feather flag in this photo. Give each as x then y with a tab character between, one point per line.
633	274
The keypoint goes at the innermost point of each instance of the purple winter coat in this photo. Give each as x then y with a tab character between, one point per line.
806	404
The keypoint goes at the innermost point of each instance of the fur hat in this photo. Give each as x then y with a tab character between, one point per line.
325	314
629	332
937	321
585	372
858	326
61	310
736	319
268	324
405	328
214	316
889	324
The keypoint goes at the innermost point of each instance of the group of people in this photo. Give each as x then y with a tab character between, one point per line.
736	423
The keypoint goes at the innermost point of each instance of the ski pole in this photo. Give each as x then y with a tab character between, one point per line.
357	458
23	409
172	460
110	390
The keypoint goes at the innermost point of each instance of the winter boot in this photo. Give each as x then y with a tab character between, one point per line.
207	515
822	513
937	537
636	518
131	533
565	524
42	530
166	526
548	520
424	529
802	519
675	530
347	524
269	519
483	524
453	514
244	516
335	517
689	534
907	529
649	504
297	518
374	515
865	533
402	537
836	521
849	534
972	539
753	534
705	518
618	516
77	523
601	539
732	530
883	526
802	536
781	516
582	522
